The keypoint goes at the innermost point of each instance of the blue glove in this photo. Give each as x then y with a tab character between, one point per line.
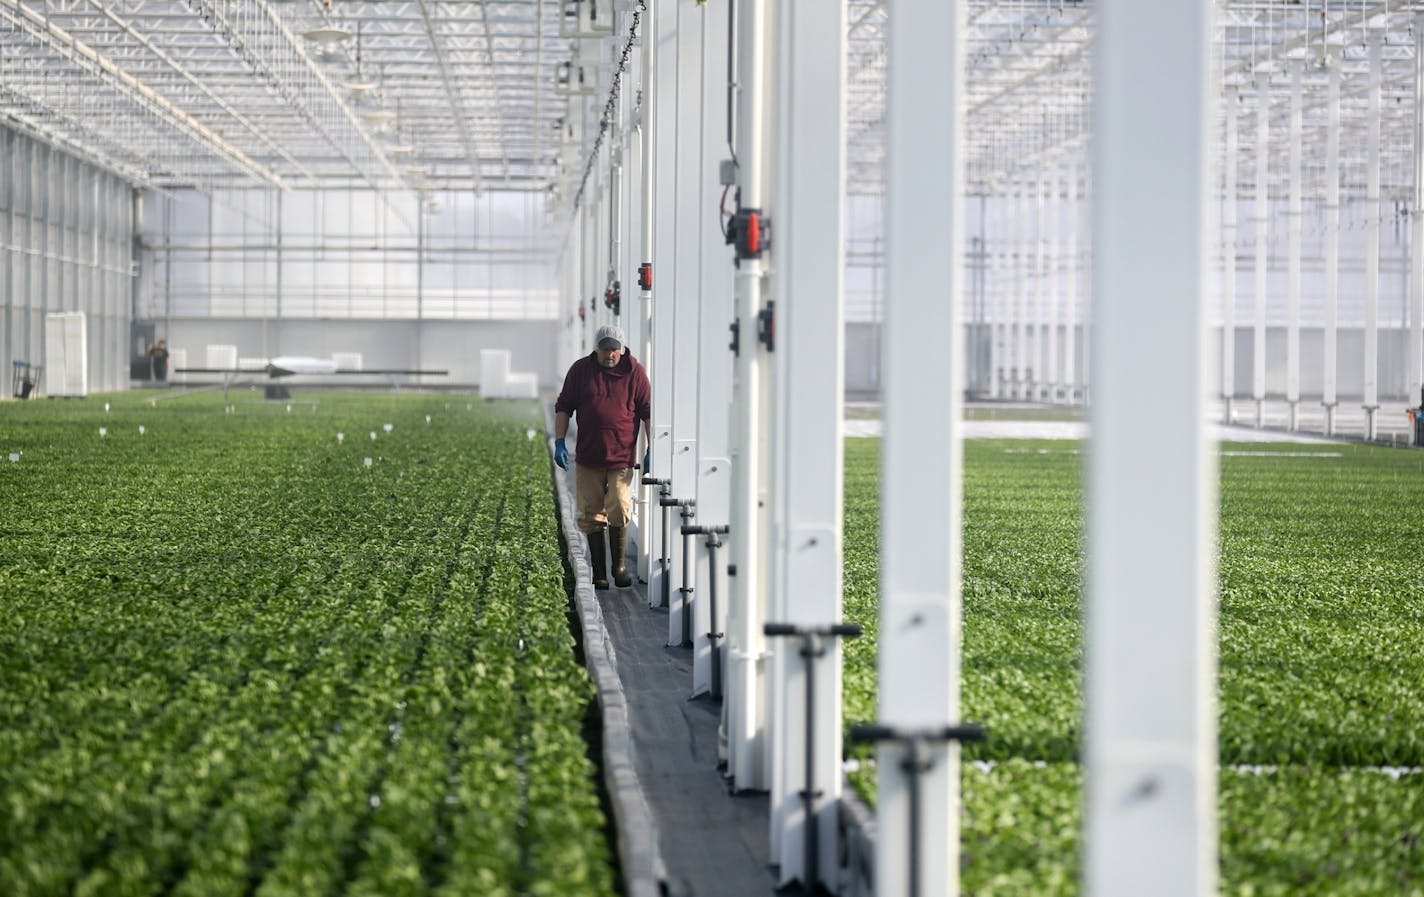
647	462
561	454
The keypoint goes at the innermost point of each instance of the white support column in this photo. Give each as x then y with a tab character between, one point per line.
994	289
687	248
1020	316
921	544
1053	209
1041	333
1372	239
1070	289
808	283
650	523
662	45
1262	251
714	394
1293	238
1085	279
1332	246
1151	669
1415	355
747	760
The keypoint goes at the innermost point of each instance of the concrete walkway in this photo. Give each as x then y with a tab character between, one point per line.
710	841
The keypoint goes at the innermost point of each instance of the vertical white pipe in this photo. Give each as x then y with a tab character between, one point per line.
1151	608
1293	238
686	238
662	63
715	362
994	289
1041	291
1262	251
1415	378
1070	288
650	545
1052	275
747	613
808	283
1229	208
921	545
1022	363
1085	279
1372	239
1332	246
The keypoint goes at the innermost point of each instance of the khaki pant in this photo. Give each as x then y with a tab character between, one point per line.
605	497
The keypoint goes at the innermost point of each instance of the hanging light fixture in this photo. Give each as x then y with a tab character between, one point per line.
327	35
359	84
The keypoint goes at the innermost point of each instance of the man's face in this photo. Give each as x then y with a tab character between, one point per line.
609	358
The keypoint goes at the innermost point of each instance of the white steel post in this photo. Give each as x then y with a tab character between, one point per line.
994	288
921	544
714	394
1053	209
1229	212
1415	356
1020	320
1085	279
687	248
808	283
1332	246
662	48
1040	287
650	523
1293	239
1262	250
1150	673
1372	239
1070	288
747	762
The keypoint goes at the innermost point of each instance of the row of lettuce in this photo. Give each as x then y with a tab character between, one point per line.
1321	677
239	659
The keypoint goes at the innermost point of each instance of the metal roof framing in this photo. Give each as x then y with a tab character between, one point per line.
468	94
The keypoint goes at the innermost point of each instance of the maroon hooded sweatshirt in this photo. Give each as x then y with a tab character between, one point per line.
610	404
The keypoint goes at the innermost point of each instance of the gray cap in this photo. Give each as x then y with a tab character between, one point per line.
609	336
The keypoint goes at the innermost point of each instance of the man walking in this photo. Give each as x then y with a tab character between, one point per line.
609	392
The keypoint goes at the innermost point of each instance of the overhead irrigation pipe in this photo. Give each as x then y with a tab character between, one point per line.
919	760
714	541
813	647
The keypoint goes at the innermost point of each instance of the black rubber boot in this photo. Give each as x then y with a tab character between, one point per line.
599	558
618	543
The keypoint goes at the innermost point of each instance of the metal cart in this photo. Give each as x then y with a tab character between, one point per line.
26	379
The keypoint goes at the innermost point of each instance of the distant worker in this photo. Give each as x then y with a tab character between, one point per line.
609	392
158	361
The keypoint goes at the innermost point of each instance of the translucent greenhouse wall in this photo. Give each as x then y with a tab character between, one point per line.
66	229
407	283
1000	272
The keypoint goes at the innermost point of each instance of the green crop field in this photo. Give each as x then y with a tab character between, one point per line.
239	656
1321	664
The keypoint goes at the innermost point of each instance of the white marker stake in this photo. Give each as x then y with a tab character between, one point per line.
373	435
141	431
103	431
387	427
427	418
14	457
530	434
340	438
106	407
369	462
